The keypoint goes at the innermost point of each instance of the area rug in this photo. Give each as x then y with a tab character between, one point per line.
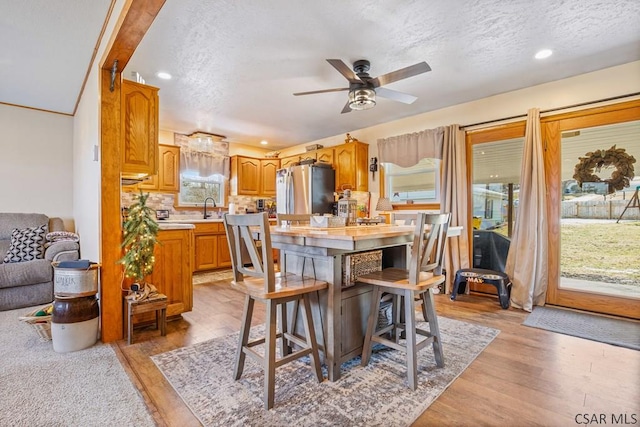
364	396
620	332
39	387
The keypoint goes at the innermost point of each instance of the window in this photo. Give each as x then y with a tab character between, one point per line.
419	183
202	174
194	189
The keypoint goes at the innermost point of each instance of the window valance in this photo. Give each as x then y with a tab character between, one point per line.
200	163
408	149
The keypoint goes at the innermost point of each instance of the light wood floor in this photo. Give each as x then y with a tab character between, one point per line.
526	376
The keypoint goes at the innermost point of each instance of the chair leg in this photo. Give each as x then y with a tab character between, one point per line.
285	347
410	331
310	332
424	308
434	330
397	320
244	336
270	355
371	325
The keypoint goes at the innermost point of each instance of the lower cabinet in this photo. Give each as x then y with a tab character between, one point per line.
172	272
211	248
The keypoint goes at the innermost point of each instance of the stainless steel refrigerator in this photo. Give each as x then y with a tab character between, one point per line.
305	189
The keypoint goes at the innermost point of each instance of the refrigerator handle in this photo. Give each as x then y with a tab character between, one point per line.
287	193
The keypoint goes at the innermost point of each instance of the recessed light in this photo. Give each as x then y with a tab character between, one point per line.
264	142
163	75
544	53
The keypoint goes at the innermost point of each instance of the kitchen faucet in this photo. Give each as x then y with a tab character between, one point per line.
205	206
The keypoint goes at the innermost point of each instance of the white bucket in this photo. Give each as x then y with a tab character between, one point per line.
75	282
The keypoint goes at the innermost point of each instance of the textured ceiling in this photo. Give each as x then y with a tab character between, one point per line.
46	48
236	64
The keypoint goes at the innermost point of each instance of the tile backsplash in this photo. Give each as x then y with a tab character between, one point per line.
157	201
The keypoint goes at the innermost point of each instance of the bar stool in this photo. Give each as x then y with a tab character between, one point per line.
297	219
422	276
260	283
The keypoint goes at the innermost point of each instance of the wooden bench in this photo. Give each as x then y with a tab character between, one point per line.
157	303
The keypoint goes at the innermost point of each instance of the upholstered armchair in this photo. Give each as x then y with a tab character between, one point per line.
26	256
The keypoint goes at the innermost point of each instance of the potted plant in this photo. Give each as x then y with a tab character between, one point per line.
139	240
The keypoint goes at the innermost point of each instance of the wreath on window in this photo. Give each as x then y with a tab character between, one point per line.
596	160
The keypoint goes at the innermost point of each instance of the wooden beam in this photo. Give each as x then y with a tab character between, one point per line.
111	273
137	17
137	21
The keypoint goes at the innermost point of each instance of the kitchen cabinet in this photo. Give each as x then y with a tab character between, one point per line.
285	162
245	176
211	247
268	168
253	177
172	272
351	165
325	155
139	130
167	180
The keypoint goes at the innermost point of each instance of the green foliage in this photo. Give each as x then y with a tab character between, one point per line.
139	240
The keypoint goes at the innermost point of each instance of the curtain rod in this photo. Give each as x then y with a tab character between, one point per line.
551	110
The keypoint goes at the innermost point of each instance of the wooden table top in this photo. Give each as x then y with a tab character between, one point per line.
352	233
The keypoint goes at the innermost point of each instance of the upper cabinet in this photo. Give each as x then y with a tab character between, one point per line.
167	179
139	129
285	162
268	168
351	165
253	177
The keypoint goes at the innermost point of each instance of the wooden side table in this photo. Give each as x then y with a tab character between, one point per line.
157	304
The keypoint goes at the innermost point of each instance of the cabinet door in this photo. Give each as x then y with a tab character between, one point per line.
172	273
168	176
361	167
345	163
285	162
268	176
354	308
151	183
206	252
139	129
248	176
224	257
325	155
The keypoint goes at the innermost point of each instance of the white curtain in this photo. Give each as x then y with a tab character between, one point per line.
408	149
453	193
527	263
203	164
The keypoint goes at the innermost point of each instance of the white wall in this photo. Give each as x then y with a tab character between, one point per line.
86	169
36	162
610	82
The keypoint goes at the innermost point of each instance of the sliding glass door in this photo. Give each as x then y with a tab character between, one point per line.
593	181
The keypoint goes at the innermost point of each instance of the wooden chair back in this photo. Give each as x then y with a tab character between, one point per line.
293	219
403	218
241	230
429	238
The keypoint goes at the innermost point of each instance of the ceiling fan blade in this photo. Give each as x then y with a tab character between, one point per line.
395	95
344	69
321	91
346	108
404	73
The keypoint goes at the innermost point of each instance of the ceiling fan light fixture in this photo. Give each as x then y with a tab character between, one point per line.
362	99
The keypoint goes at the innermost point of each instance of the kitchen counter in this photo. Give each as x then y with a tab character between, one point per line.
195	220
175	226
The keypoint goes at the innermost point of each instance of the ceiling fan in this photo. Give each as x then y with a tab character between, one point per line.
363	88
